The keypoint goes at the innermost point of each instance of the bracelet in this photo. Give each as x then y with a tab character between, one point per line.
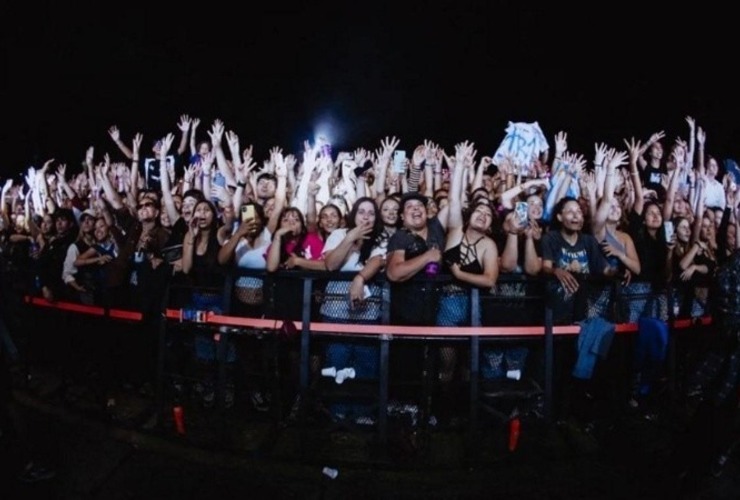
241	184
134	159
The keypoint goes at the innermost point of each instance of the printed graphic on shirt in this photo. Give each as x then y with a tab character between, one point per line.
575	261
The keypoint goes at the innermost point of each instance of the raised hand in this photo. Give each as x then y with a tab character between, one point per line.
617	159
657	136
184	123
633	147
216	133
206	162
701	136
247	154
389	145
138	138
232	140
561	143
361	156
600	154
166	144
281	170
114	133
691	122
189	173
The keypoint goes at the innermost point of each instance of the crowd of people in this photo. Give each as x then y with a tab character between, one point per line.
187	210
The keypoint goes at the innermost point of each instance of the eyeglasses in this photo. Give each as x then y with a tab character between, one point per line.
145	204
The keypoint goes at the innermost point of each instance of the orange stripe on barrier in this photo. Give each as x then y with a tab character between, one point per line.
127	315
353	329
68	306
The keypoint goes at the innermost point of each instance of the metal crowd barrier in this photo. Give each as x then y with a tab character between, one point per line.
310	329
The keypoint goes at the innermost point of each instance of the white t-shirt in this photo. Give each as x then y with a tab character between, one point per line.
251	257
336	299
715	194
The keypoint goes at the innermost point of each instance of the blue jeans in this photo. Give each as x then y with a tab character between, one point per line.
363	358
205	347
454	310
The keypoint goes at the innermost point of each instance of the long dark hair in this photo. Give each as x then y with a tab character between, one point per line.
211	255
299	238
374	238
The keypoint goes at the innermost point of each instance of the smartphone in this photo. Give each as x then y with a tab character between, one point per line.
399	161
668	228
247	212
522	212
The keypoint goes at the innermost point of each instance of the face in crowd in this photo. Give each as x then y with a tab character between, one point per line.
102	230
535	207
414	215
147	209
266	186
683	230
389	212
204	215
653	217
330	218
292	219
571	217
481	218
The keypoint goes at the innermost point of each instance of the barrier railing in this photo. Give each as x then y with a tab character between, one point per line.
310	328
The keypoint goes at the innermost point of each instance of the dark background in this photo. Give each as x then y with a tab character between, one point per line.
278	74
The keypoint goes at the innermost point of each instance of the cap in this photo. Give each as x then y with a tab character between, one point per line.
412	196
88	212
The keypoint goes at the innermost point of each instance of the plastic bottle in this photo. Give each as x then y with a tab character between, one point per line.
514	428
179	417
432	268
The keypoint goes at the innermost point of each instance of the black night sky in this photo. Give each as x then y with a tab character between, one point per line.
448	73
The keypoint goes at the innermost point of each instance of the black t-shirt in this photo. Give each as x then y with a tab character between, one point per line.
652	252
414	302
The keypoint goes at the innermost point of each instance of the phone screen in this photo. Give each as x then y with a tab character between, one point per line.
247	212
399	161
668	228
522	212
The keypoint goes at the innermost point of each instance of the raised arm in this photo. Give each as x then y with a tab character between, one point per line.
642	162
280	193
62	182
184	126
454	214
598	221
164	178
115	135
193	142
135	158
216	133
701	138
634	148
383	159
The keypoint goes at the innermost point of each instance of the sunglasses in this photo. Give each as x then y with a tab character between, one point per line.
145	204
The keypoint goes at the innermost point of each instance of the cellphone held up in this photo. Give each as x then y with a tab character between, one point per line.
247	212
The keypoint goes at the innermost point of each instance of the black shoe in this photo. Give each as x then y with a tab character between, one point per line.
33	473
260	402
718	466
